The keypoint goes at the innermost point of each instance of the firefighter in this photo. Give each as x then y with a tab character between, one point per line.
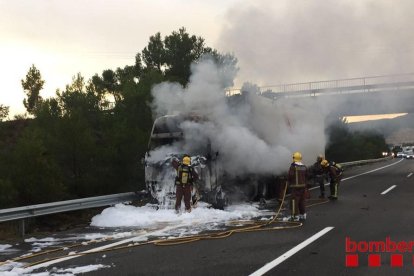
319	175
186	176
334	172
297	176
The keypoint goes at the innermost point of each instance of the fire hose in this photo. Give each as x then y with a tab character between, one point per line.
254	226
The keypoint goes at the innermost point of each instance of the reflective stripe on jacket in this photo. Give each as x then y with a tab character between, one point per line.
186	175
297	175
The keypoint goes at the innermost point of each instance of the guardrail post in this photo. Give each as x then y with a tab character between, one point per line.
22	227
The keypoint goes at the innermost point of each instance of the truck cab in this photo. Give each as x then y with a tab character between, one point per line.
169	142
166	144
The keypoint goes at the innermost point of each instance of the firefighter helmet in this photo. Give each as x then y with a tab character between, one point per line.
324	163
187	160
297	156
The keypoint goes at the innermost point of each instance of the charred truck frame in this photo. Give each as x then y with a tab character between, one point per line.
214	186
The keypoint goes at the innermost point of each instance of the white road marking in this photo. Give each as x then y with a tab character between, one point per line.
346	178
389	189
408	176
290	253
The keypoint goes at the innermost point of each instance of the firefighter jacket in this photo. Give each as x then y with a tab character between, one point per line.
335	172
186	175
317	169
297	175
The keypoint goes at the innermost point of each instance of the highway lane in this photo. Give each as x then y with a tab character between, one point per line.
361	213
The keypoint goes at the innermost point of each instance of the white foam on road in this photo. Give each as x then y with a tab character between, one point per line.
149	222
4	247
17	270
147	217
40	244
81	269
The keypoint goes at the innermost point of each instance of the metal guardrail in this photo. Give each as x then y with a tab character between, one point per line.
64	206
98	201
363	162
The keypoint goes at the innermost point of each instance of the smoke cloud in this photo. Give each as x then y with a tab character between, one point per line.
298	41
280	42
294	41
252	134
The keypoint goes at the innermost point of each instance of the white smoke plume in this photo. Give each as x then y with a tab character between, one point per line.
254	136
297	41
289	41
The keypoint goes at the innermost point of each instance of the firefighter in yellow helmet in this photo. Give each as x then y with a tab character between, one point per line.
297	181
334	171
186	176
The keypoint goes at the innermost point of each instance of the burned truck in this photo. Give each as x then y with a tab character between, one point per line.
168	142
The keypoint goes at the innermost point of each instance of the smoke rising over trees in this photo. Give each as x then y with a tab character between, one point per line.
78	144
90	137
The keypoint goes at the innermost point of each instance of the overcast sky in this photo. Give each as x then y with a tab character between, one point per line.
275	41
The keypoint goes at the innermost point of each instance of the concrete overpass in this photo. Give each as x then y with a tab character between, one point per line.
356	96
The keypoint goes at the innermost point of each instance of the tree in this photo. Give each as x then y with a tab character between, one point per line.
34	172
181	50
32	86
108	84
4	112
154	54
174	55
345	145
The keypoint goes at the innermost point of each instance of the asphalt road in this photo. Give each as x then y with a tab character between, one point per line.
362	213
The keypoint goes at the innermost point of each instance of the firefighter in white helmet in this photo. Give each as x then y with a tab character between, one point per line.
297	177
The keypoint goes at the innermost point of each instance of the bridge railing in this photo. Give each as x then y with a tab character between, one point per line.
339	83
362	84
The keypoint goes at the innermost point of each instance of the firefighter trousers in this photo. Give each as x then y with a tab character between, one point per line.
320	181
334	185
180	192
298	201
